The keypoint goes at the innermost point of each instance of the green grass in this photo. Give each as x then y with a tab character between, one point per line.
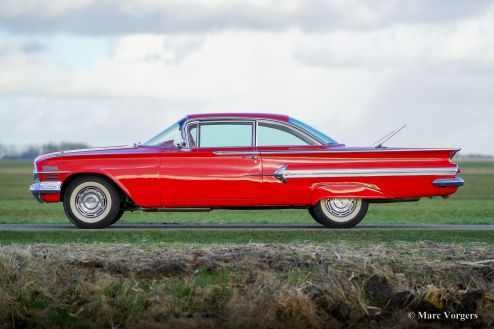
205	237
472	204
16	164
219	278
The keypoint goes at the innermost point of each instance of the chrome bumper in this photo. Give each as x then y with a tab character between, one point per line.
448	182
41	188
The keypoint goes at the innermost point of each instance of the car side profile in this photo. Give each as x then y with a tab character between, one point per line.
240	161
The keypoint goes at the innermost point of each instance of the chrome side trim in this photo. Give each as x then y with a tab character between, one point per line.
280	174
236	152
355	151
53	172
283	172
449	182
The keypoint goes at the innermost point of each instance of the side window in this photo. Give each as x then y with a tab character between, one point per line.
276	135
225	134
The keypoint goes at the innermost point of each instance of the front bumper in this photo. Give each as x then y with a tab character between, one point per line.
448	182
50	187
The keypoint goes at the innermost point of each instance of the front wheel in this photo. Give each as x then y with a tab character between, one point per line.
339	212
92	202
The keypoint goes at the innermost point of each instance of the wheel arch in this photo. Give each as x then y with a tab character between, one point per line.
357	190
120	188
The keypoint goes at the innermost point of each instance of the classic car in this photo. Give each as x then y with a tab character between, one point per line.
240	161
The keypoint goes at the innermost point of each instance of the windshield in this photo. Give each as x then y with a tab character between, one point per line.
169	137
314	132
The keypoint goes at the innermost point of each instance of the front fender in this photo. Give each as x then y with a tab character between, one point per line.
346	190
103	173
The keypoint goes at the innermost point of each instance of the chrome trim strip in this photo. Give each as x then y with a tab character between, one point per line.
93	149
53	172
185	133
297	130
49	187
236	152
280	174
50	168
255	120
283	173
356	150
449	182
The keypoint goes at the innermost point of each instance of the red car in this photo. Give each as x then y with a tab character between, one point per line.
246	161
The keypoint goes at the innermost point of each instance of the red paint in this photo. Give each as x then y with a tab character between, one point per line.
158	177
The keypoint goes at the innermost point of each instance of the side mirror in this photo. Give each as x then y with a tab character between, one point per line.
183	147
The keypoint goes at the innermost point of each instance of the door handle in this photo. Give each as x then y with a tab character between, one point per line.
253	157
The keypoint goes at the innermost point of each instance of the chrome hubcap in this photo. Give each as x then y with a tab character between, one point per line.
341	207
90	202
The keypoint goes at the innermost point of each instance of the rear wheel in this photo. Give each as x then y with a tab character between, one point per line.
119	215
339	212
92	202
311	212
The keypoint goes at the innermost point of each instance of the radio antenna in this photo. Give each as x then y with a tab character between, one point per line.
388	137
383	138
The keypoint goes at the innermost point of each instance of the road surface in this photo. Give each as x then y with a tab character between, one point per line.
140	227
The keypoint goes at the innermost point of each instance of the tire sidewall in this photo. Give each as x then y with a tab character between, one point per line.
112	198
324	218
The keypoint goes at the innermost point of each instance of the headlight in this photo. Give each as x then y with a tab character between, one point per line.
35	174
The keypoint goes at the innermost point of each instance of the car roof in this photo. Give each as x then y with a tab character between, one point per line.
239	115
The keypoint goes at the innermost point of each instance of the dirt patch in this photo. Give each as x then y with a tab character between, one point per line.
244	286
378	289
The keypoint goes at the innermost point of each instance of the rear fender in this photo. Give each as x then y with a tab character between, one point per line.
346	190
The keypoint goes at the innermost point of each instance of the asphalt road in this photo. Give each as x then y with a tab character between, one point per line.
136	227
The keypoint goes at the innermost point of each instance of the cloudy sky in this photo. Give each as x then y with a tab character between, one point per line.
111	72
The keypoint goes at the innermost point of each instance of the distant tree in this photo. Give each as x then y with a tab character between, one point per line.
31	152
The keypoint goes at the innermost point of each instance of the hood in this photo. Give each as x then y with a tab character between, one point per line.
110	150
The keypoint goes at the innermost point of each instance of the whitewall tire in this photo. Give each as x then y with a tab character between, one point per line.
92	202
339	212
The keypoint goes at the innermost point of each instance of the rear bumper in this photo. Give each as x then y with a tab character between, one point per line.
448	182
42	188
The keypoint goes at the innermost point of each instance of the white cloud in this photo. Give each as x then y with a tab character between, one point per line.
41	7
157	16
354	83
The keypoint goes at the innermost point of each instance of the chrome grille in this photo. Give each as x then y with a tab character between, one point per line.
51	176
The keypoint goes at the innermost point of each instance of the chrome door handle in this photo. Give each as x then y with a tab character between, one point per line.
253	157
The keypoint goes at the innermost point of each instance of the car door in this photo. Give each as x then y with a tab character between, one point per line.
220	166
281	146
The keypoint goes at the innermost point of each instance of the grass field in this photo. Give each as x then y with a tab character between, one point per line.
250	278
472	204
